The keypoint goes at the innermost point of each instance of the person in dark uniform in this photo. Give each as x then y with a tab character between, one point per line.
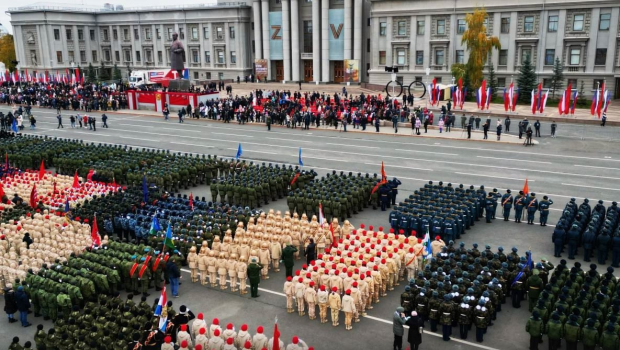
537	127
310	252
254	275
507	202
288	257
469	126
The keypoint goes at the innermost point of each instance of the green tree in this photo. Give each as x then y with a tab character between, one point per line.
492	81
526	81
581	99
7	52
116	73
557	80
478	44
103	73
458	71
91	77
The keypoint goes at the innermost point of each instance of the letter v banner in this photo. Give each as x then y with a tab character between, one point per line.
336	34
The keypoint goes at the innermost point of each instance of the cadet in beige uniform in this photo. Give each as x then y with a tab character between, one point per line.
311	300
192	261
323	299
334	305
348	307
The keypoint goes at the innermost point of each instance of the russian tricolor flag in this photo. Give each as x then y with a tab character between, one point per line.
321	217
162	302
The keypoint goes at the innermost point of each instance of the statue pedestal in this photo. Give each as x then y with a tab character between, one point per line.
179	85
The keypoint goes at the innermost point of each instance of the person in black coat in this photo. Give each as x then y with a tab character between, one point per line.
23	305
182	318
10	305
27	239
414	337
310	252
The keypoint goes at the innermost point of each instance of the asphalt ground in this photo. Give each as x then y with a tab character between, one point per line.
560	168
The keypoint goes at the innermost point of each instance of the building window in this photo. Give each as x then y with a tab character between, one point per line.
126	34
597	83
71	56
106	55
418	79
505	27
92	34
148	55
438	80
160	57
94	55
549	57
420	28
115	34
503	57
220	57
117	56
56	34
157	33
220	76
208	75
501	82
578	23
80	34
460	56
169	33
528	24
127	56
439	57
181	33
233	57
59	56
604	21
82	56
231	32
136	34
526	54
601	57
207	56
441	26
69	36
195	75
382	28
308	36
553	24
461	25
572	82
106	37
205	32
138	58
400	57
402	28
195	56
147	33
220	33
194	33
419	58
575	56
547	83
382	58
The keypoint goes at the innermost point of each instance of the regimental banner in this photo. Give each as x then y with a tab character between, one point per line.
336	35
275	36
352	71
261	68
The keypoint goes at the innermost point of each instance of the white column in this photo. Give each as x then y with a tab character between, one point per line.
613	33
325	40
258	44
295	39
286	36
388	48
265	25
348	29
357	25
316	40
374	43
412	43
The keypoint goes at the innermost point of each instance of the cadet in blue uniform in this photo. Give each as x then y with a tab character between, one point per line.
532	206
489	207
558	238
589	237
573	241
507	202
543	206
519	204
496	196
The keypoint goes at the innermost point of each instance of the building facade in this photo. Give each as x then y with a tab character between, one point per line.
300	40
414	36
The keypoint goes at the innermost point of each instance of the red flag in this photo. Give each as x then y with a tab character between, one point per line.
191	201
506	98
114	183
76	180
295	178
526	188
1	191
54	190
42	170
89	177
33	196
602	97
383	175
567	99
77	74
94	235
276	337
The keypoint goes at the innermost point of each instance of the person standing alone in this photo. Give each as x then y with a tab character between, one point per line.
398	322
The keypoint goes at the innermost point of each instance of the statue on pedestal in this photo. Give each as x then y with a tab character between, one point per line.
176	55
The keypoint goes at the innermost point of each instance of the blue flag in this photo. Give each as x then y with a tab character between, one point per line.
168	242
529	264
239	152
145	190
301	163
155	227
67	208
14	127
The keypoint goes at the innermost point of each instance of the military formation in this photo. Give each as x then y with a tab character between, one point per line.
466	287
576	306
591	228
